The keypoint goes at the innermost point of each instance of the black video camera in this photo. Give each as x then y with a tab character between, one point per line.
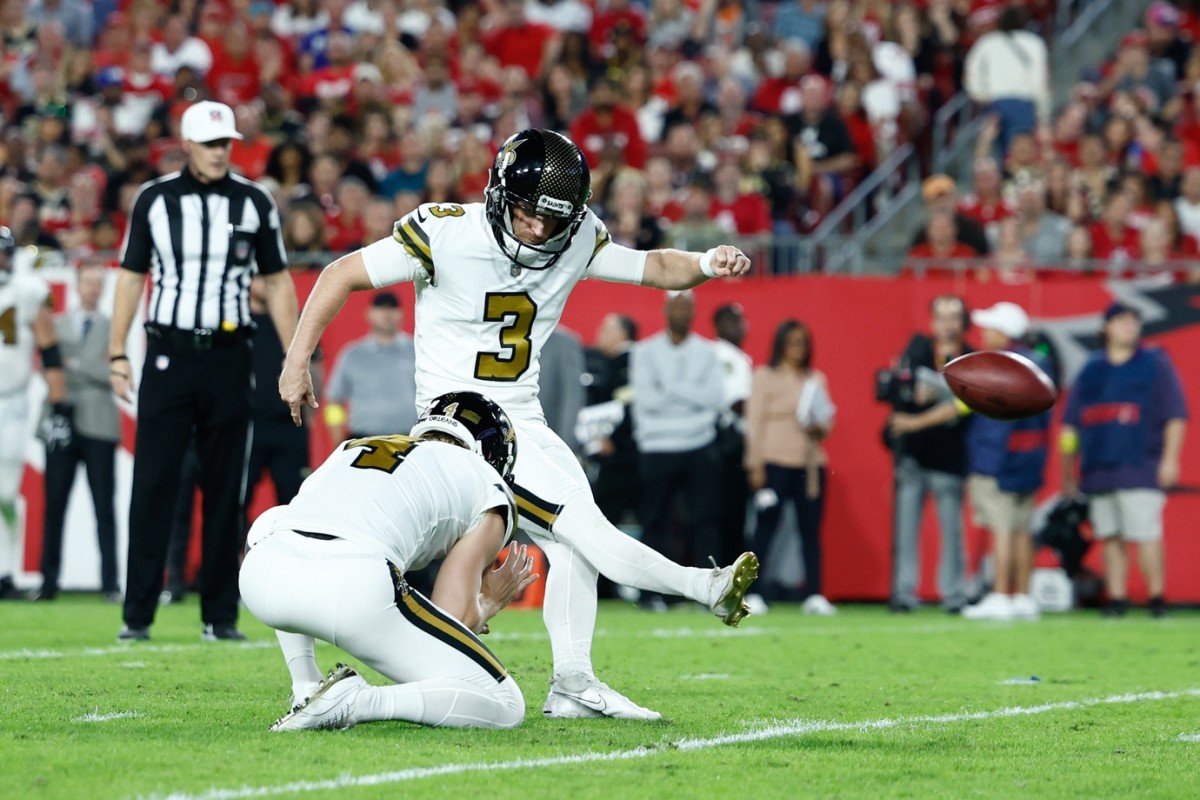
895	386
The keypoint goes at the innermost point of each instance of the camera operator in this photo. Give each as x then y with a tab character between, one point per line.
927	440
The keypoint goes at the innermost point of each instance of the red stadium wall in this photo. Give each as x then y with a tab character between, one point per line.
859	325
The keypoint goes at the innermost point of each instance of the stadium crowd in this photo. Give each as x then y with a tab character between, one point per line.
700	118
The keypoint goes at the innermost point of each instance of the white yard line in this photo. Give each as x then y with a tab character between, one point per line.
98	717
761	731
130	649
1189	737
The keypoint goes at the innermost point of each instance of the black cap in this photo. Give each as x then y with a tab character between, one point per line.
1120	308
385	300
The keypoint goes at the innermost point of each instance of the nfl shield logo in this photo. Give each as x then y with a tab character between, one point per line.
241	250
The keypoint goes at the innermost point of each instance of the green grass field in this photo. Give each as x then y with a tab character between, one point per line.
864	704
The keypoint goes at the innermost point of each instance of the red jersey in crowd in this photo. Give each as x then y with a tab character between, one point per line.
251	157
328	82
619	132
984	213
1106	244
521	47
233	82
747	215
925	250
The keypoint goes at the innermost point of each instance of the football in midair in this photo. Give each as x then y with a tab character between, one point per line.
1000	384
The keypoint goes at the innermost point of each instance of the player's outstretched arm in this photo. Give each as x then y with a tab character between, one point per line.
347	274
677	269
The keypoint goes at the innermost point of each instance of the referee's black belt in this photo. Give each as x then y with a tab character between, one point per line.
197	338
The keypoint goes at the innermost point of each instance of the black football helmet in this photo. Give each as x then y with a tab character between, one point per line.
479	423
543	173
8	249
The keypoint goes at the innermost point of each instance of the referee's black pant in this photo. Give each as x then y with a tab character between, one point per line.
185	387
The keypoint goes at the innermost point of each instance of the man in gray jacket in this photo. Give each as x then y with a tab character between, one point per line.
91	438
678	393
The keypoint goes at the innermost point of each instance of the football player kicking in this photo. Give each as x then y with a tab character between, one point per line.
331	565
26	319
491	281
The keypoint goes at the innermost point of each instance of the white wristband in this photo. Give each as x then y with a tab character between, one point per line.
706	263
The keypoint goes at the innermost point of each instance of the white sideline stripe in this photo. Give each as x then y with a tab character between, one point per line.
762	732
706	676
126	649
1189	737
96	717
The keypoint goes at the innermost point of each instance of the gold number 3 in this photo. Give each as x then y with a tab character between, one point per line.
517	310
447	210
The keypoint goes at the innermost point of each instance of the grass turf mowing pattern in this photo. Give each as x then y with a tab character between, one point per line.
204	709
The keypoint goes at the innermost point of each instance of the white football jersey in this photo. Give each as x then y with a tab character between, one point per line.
21	297
410	500
481	321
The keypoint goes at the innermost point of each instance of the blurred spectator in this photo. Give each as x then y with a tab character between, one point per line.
178	48
251	154
289	165
409	174
1007	467
1165	183
940	194
629	222
1121	441
785	461
730	326
234	76
1156	250
930	457
670	25
1079	247
736	211
515	41
375	376
780	94
1043	234
1113	239
986	204
696	230
73	16
690	102
95	430
562	15
941	240
1166	40
1094	173
606	425
437	93
800	20
1152	81
1183	243
1187	205
304	234
607	130
346	227
560	389
820	132
1007	71
315	50
677	398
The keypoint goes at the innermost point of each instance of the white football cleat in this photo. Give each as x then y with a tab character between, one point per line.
331	705
1025	607
994	606
731	584
580	696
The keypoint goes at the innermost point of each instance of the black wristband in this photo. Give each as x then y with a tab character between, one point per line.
115	359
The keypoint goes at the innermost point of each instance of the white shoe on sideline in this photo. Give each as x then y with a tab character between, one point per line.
1025	607
756	604
579	696
331	706
994	606
816	605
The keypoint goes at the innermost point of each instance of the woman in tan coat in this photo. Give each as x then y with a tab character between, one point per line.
788	414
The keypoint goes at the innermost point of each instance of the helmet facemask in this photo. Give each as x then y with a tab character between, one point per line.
545	175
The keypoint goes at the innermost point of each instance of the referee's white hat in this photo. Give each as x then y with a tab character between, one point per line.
207	121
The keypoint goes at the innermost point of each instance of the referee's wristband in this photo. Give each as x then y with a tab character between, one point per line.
115	359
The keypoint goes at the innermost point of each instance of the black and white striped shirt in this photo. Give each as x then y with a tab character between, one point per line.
200	243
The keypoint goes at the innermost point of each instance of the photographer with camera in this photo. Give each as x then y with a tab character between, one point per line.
929	459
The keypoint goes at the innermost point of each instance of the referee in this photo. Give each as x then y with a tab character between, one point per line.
201	234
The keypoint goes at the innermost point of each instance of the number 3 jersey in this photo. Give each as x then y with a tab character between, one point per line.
21	297
481	320
408	499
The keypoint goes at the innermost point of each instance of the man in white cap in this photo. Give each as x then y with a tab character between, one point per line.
200	234
1006	465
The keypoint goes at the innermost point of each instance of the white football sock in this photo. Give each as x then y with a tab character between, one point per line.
444	702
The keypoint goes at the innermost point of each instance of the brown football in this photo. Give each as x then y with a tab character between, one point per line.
1000	384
